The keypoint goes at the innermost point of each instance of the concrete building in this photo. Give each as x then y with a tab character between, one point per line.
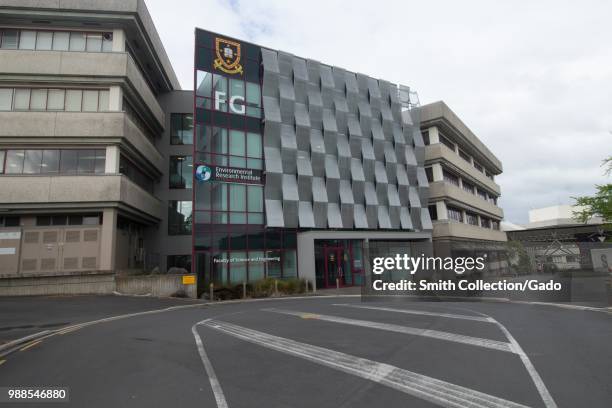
80	136
463	193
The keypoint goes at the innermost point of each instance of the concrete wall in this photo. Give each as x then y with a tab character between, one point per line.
439	190
79	127
437	152
58	285
154	285
451	229
25	191
66	66
439	110
157	239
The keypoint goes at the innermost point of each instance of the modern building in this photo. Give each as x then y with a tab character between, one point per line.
80	137
299	166
463	193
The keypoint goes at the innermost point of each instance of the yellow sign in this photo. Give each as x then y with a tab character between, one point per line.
228	56
189	280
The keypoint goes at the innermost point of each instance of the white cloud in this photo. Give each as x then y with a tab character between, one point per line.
532	79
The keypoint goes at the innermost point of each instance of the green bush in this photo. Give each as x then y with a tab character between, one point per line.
261	288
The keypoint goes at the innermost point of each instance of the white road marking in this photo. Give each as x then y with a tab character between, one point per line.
436	334
212	377
427	388
535	377
419	312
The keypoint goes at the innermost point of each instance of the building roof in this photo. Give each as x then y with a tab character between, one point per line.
440	113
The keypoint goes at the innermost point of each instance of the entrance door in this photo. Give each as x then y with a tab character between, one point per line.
338	259
337	266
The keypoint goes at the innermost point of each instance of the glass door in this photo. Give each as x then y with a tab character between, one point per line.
334	266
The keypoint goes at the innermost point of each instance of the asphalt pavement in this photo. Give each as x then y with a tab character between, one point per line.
320	352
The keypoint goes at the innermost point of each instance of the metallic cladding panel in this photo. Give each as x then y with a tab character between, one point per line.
338	152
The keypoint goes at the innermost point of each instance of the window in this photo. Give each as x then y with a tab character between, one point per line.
50	161
468	187
90	101
429	174
2	156
61	41
181	129
230	147
56	40
73	100
237	148
56	99
72	219
12	221
446	142
222	203
495	225
231	95
450	177
103	101
14	162
94	42
87	162
54	161
27	40
425	135
179	262
485	222
180	175
454	214
253	99
464	156
254	151
220	92
179	217
38	99
10	38
69	161
482	194
41	99
6	99
77	41
32	161
22	99
133	173
478	167
471	218
433	212
44	40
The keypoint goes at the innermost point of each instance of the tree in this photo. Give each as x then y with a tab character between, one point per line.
518	258
600	204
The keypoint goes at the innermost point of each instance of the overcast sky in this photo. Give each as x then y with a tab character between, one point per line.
532	81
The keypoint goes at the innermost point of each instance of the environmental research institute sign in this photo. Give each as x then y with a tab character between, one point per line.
228	174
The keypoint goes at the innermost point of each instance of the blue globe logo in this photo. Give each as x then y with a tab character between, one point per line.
203	173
